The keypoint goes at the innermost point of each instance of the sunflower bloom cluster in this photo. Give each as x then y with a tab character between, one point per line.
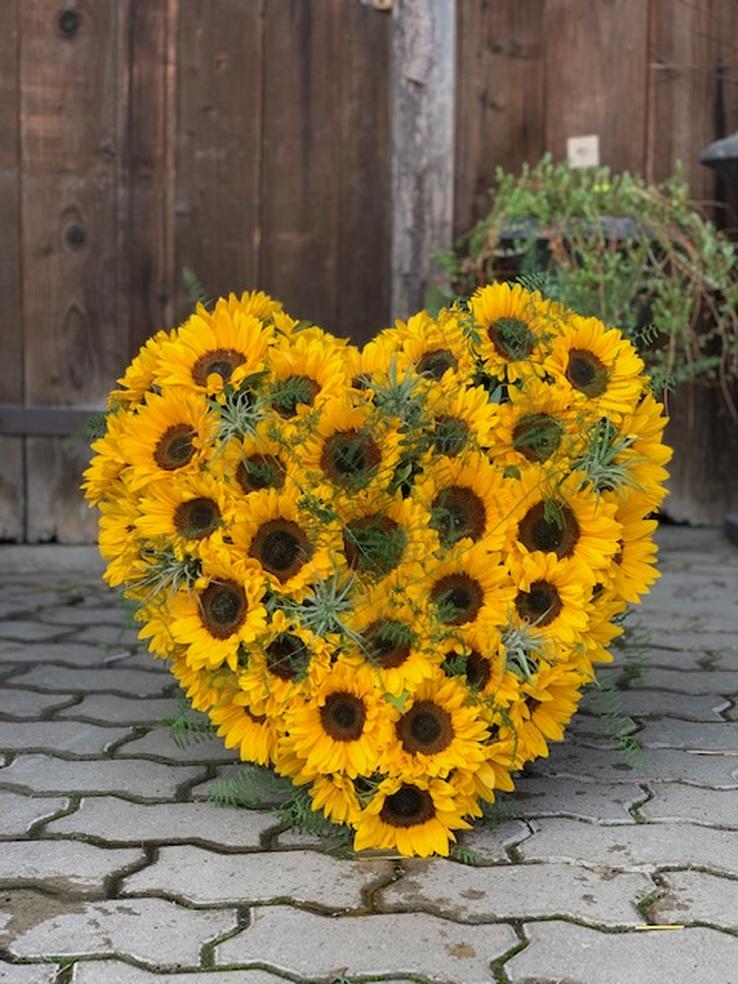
386	573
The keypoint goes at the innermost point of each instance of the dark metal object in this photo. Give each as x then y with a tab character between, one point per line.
44	421
722	157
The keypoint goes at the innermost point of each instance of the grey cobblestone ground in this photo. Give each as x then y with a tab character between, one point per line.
115	870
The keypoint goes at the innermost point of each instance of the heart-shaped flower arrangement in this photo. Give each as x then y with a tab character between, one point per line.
385	573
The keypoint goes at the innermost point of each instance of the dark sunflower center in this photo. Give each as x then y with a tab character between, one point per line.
287	657
408	807
541	605
552	530
350	457
536	436
288	393
221	361
260	471
426	728
457	512
586	372
512	338
389	642
478	670
458	598
222	608
373	543
174	449
343	716
196	518
281	547
436	363
450	435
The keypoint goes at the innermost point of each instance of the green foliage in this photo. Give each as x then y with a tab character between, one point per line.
193	288
96	426
248	788
641	257
464	855
187	727
297	814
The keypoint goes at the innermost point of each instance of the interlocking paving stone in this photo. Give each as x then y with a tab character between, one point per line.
302	943
717	682
76	615
111	709
203	877
668	733
110	818
74	737
107	635
488	843
159	743
540	797
672	801
43	654
153	931
27	973
27	631
133	777
561	953
694	896
116	972
272	789
473	894
88	681
17	703
687	707
646	846
18	813
659	765
62	864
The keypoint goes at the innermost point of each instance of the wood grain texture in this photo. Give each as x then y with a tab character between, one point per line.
423	86
499	98
218	137
12	504
75	318
596	77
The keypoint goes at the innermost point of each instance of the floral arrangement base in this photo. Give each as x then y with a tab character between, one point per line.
386	573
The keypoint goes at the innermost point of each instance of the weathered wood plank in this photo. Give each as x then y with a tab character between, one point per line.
301	137
596	77
76	335
364	221
499	98
12	492
423	100
219	79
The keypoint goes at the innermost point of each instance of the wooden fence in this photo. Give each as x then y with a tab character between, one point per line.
318	149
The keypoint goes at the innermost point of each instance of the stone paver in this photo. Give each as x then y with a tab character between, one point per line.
126	682
63	865
19	704
107	635
112	709
23	631
669	733
158	743
75	615
718	682
27	973
132	777
19	813
73	737
663	703
485	894
42	654
110	818
154	931
673	801
310	945
535	797
489	843
695	896
636	846
204	877
116	972
560	953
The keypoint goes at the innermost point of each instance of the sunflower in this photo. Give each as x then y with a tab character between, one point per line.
220	613
371	365
304	373
598	366
470	587
254	303
437	731
108	460
260	460
476	655
643	455
204	687
559	513
255	735
539	422
515	328
552	596
436	349
415	817
460	419
189	510
214	348
549	700
335	795
342	727
466	499
282	545
139	377
117	540
632	570
170	433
